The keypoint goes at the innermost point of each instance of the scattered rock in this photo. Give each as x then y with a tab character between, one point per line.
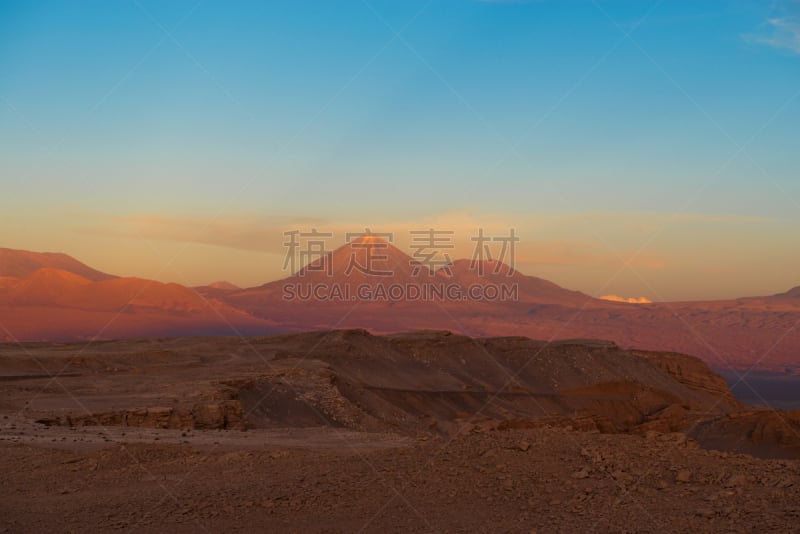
736	480
583	473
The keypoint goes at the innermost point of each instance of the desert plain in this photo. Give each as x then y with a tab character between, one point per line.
346	431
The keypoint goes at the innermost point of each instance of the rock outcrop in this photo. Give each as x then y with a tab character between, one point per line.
218	415
414	383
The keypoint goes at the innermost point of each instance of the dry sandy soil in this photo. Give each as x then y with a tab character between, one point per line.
345	431
327	480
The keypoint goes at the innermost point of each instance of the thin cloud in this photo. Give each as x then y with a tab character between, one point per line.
560	240
575	253
783	33
631	300
253	233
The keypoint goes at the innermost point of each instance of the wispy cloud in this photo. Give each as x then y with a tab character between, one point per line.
781	33
249	233
565	240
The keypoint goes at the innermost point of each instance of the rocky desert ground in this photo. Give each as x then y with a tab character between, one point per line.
345	431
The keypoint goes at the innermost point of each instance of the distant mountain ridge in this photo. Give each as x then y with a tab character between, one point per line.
22	263
226	286
64	289
792	293
55	297
372	261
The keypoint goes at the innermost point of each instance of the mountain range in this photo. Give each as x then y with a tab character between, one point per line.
371	284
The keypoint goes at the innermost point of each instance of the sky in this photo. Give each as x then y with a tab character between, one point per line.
638	148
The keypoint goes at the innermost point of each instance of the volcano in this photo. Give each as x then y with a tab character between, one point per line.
372	262
370	283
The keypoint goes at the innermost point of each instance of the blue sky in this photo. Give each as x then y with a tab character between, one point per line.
384	113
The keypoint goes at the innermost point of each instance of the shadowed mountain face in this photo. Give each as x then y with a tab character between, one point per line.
409	383
371	284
